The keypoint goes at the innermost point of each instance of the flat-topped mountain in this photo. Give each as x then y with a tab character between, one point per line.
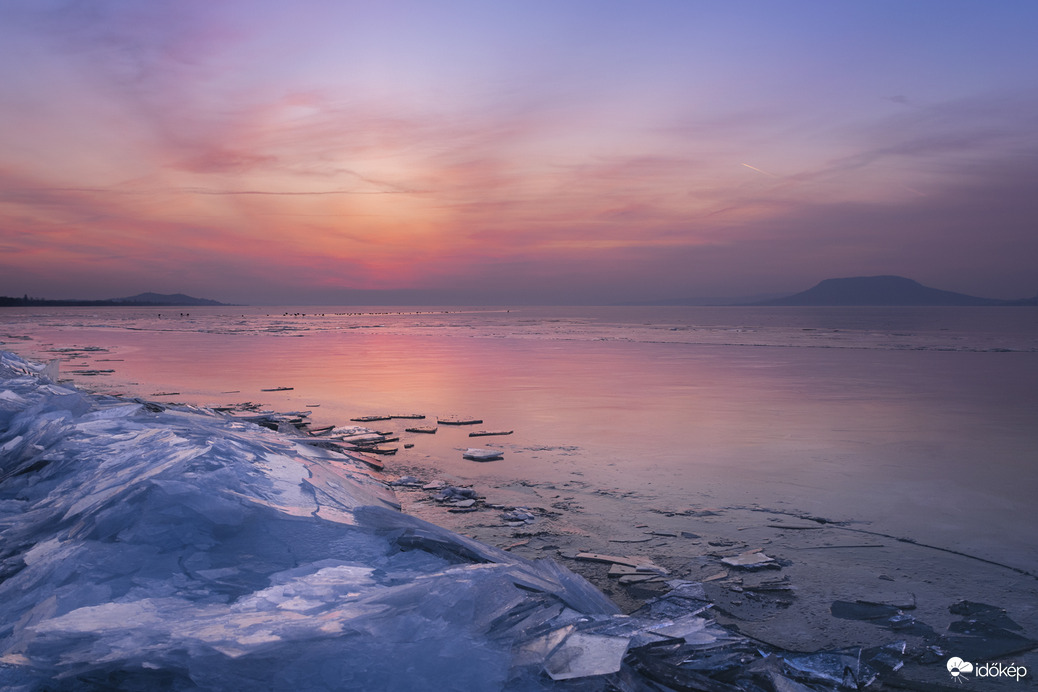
880	290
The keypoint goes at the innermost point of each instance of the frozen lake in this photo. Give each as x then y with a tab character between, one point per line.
922	422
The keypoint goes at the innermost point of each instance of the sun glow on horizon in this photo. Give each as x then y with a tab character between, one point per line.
360	148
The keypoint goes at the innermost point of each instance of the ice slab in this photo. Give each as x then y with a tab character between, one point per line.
750	560
478	454
581	655
842	668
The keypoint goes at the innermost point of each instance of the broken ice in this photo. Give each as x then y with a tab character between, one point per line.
183	548
153	547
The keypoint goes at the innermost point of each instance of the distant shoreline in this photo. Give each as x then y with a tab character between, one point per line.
8	302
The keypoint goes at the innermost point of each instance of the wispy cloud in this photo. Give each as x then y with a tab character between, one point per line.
235	142
294	193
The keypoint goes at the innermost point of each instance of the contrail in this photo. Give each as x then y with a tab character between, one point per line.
754	168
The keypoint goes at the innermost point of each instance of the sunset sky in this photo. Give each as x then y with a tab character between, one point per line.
324	152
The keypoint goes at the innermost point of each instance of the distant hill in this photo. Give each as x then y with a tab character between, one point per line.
175	299
882	291
140	300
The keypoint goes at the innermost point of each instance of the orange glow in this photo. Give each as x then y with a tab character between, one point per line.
294	153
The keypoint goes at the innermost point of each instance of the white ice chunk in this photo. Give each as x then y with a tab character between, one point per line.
9	396
691	628
480	454
10	444
56	389
585	654
113	412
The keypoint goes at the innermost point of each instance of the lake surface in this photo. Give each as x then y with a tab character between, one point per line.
917	422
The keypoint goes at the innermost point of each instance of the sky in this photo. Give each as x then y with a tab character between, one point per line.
539	152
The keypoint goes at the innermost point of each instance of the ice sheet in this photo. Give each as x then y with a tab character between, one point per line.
150	547
179	548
